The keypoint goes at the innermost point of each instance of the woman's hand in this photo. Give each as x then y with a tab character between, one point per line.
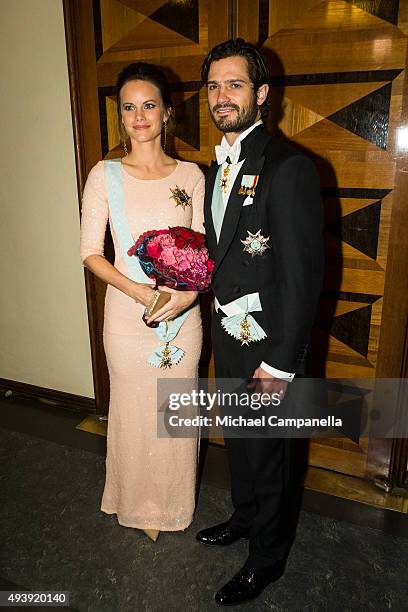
142	293
179	301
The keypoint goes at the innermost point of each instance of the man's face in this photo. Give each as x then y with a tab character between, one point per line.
234	105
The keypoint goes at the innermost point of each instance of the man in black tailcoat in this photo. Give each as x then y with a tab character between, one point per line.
263	218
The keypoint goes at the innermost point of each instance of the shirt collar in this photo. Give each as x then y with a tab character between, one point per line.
235	149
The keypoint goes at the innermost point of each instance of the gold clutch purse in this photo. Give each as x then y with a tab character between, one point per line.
160	298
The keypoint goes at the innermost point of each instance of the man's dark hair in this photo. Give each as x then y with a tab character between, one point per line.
258	70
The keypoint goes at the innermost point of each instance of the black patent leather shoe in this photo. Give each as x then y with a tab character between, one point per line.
220	535
246	585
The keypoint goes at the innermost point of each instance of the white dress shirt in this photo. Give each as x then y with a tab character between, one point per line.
234	152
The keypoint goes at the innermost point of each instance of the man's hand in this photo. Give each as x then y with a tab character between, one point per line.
179	301
263	382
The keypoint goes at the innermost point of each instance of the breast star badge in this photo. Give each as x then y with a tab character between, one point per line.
255	244
180	196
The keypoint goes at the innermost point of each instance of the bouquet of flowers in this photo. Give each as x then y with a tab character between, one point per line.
175	257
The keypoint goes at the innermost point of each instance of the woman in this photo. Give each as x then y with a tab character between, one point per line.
150	482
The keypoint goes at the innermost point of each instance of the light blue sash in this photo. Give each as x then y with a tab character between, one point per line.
162	357
238	322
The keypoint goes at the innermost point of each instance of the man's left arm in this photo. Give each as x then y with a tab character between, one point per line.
296	220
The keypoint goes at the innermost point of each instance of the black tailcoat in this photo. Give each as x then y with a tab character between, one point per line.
287	209
288	276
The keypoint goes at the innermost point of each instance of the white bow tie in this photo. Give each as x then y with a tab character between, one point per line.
222	152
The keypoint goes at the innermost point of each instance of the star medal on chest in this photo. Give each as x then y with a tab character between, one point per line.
181	197
255	244
224	182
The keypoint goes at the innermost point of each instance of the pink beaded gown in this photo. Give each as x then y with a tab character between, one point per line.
150	481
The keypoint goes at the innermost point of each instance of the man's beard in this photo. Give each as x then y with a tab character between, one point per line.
243	120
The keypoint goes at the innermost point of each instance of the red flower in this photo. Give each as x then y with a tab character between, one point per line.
153	250
180	232
199	240
140	240
210	265
187	237
179	258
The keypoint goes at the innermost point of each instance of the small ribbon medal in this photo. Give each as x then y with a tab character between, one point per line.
248	185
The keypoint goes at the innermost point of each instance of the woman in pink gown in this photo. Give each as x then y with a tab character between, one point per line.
150	481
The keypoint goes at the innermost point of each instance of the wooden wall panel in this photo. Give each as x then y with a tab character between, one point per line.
339	75
173	35
339	88
103	36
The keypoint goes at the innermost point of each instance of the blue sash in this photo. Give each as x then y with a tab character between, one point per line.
162	357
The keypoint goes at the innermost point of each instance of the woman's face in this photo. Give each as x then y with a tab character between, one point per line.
142	110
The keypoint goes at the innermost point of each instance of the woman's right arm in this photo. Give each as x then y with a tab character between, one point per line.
95	214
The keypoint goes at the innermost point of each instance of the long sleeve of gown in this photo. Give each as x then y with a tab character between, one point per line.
197	222
95	213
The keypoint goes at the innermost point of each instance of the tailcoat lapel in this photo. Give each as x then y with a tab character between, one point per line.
252	148
209	225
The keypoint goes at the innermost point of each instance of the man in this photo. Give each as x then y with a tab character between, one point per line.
263	219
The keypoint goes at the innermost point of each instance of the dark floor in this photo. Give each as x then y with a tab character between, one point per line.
54	537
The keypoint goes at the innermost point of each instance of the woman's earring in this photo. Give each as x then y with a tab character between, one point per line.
125	147
165	136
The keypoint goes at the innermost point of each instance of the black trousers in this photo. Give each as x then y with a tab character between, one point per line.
260	467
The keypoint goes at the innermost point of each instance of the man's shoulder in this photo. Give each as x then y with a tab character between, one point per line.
280	151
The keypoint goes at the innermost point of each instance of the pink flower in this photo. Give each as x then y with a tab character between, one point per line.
189	254
167	257
166	241
183	265
178	258
203	255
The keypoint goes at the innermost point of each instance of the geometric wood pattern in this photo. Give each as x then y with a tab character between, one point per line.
385	9
367	117
352	327
359	229
343	119
173	35
336	36
103	36
339	77
181	16
339	67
